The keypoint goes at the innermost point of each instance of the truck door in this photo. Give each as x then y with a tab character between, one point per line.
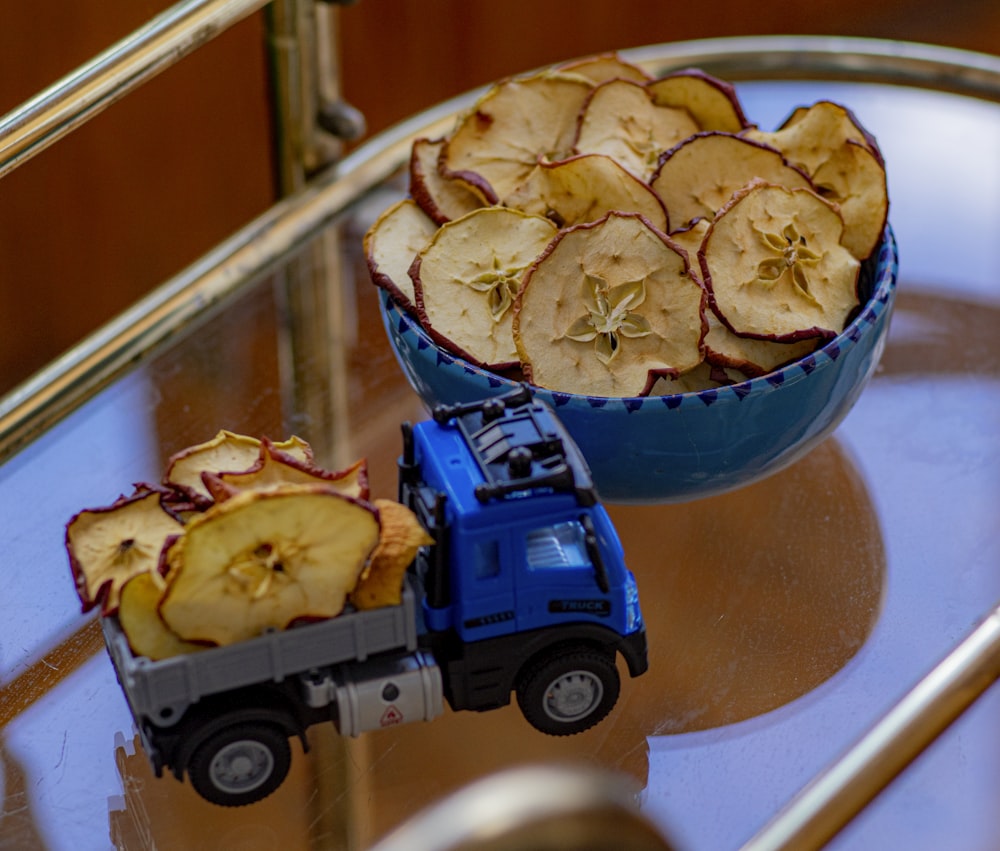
485	602
560	581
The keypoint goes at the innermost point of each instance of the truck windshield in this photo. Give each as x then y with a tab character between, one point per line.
561	545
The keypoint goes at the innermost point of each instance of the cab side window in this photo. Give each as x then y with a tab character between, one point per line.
560	545
486	558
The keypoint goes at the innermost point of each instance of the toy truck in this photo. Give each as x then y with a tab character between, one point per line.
524	591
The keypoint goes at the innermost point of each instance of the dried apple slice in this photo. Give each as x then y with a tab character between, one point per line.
855	181
108	546
585	188
175	501
774	265
517	122
713	103
844	162
603	67
441	198
264	559
295	447
275	468
705	376
225	452
390	245
381	583
697	177
607	308
751	357
621	120
468	275
689	238
808	135
140	619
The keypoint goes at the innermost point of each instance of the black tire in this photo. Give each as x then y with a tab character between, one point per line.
240	764
568	693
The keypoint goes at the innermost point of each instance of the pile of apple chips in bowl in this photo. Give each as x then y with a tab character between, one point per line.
241	536
628	240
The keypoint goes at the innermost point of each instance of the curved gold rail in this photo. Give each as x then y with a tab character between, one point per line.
62	107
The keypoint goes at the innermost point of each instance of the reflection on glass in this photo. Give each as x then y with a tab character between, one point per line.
752	599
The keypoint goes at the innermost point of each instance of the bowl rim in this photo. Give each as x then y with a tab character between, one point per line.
886	272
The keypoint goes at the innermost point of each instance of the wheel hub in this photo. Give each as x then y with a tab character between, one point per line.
241	766
572	696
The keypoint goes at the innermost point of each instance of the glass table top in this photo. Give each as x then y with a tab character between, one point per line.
784	619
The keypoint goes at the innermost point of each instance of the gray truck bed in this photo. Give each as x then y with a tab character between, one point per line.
162	690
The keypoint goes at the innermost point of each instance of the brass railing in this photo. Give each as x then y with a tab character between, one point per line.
109	76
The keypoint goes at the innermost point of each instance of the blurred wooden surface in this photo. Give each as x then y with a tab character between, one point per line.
96	221
399	56
89	226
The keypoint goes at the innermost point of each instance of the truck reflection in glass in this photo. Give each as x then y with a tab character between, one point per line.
524	591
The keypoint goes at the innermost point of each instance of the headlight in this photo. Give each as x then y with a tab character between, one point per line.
633	615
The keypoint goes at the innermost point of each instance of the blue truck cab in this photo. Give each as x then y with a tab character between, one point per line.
526	589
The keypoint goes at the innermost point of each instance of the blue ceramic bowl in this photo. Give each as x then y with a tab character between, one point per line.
689	445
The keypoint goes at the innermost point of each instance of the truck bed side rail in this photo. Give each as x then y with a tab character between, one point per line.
162	690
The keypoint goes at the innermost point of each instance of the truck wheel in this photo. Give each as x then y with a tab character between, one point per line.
240	764
568	693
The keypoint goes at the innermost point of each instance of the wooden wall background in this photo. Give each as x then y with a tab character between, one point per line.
144	189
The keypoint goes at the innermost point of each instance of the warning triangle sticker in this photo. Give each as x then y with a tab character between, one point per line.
391	716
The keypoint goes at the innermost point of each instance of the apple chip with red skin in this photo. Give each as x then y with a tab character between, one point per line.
175	501
390	245
586	188
697	177
705	376
517	122
811	132
226	452
467	277
688	238
265	559
381	582
603	67
774	266
139	616
275	468
440	197
108	546
621	120
713	103
854	179
607	308
751	357
842	159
